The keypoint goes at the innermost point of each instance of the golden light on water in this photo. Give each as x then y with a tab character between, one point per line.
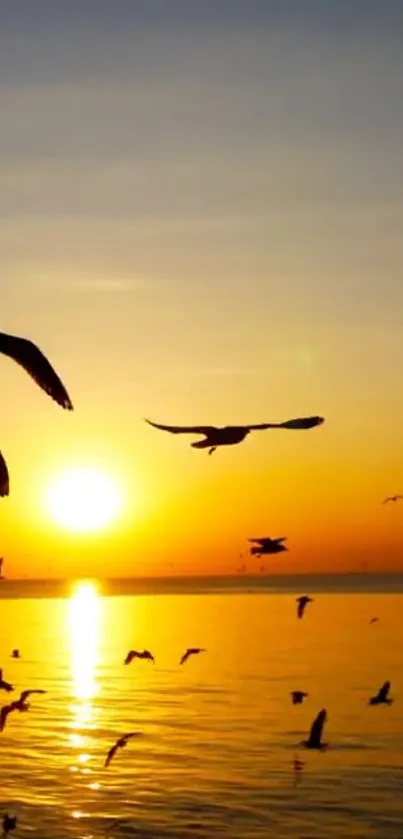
84	628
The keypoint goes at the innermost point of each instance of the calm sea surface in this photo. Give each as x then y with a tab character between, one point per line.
219	735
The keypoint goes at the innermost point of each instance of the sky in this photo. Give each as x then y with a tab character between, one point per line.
201	214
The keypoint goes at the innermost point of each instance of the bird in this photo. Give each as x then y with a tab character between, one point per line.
302	604
191	651
267	545
381	698
26	693
374	620
15	654
120	744
9	824
33	361
298	696
3	684
392	498
135	654
17	705
230	435
315	735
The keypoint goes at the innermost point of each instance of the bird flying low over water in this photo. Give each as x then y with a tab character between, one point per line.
30	357
9	824
5	685
314	740
266	545
392	498
120	744
302	604
230	435
381	697
298	696
136	654
191	651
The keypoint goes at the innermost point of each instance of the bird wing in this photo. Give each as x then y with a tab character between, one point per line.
30	357
261	540
185	656
261	426
386	500
3	716
26	693
183	429
384	690
111	754
300	608
4	478
130	656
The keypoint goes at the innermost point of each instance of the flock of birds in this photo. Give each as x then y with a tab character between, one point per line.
25	353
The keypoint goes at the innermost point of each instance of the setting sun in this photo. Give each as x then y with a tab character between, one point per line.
83	500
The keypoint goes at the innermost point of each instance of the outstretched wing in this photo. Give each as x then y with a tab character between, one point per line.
3	716
130	656
111	754
183	429
26	693
4	478
261	426
185	656
30	357
384	690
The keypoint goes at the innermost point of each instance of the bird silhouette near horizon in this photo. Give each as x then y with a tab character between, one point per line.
15	654
302	604
314	740
9	824
382	697
191	651
390	498
298	696
5	685
145	654
230	435
267	545
28	356
120	744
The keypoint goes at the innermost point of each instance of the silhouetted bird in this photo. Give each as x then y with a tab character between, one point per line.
9	824
15	654
191	651
7	709
5	685
298	696
120	744
230	435
381	697
374	620
266	545
392	498
26	693
135	654
315	736
30	357
302	604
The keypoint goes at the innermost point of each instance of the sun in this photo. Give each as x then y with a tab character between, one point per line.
83	500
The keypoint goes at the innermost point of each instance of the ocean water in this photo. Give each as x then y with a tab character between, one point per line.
219	735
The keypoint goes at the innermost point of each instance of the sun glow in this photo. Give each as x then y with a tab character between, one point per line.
83	500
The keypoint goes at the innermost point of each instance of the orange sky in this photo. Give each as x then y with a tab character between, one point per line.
201	223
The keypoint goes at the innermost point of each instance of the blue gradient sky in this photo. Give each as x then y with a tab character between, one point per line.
201	222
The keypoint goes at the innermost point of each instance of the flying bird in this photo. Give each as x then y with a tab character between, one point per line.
298	696
3	684
30	357
120	744
266	545
135	654
392	498
9	824
381	697
7	709
15	654
374	620
26	693
230	435
191	651
302	604
315	735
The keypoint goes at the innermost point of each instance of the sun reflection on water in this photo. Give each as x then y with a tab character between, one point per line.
84	628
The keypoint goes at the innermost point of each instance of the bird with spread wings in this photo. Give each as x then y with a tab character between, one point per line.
30	357
267	545
120	744
230	435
